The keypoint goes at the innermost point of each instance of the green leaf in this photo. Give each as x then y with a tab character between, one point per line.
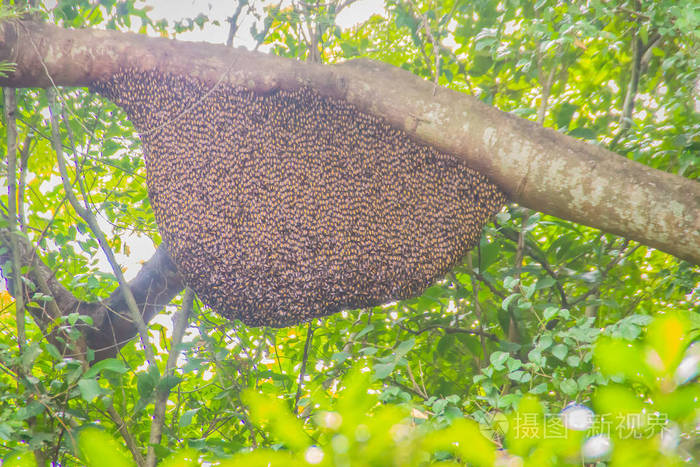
53	351
615	357
98	449
30	410
560	351
89	389
182	458
30	354
168	382
513	364
20	459
569	386
520	376
507	301
564	114
583	133
109	364
510	282
545	283
545	342
405	346
498	359
550	312
367	329
573	361
382	370
186	418
272	412
146	382
340	357
464	439
529	290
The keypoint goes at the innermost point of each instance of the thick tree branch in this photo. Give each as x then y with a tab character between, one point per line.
539	168
153	287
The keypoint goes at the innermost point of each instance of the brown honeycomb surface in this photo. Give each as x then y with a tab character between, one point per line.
289	206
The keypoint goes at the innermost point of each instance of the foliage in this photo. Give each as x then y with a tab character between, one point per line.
543	314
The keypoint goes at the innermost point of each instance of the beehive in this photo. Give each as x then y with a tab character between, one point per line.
288	206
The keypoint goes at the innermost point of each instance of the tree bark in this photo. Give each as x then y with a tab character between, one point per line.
538	168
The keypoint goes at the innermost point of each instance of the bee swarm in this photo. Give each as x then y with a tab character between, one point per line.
288	206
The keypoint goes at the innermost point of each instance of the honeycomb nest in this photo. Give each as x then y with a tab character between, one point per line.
283	207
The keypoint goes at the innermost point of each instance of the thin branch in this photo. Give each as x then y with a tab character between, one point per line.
181	320
546	91
91	221
406	388
451	330
513	332
23	161
233	21
539	256
268	25
154	286
628	104
488	284
302	370
11	125
415	385
126	434
604	273
477	303
74	149
433	41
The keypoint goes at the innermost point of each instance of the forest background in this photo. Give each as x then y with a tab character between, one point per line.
542	314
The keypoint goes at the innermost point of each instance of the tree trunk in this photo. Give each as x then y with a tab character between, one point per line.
537	167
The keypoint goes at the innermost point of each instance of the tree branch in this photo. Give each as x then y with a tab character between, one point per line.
181	320
126	434
17	286
153	287
233	22
539	168
302	370
91	221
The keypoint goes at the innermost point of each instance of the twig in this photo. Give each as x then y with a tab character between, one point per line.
477	304
415	385
488	284
604	273
409	389
538	255
513	333
433	41
451	330
302	370
23	161
233	21
11	125
546	91
181	319
91	221
126	434
628	104
266	30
